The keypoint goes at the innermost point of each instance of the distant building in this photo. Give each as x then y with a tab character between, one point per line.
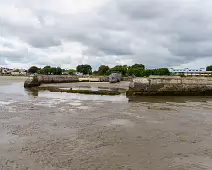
81	74
190	72
7	71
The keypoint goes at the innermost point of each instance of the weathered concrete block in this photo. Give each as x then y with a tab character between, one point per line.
163	86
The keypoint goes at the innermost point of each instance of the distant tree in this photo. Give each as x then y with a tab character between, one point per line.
119	69
33	70
53	70
16	70
160	71
85	69
59	71
136	70
103	69
71	72
95	72
47	70
40	71
209	68
141	66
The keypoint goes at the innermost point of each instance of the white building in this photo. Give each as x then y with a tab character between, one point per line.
190	72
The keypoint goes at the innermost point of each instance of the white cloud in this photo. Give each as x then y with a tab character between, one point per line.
157	33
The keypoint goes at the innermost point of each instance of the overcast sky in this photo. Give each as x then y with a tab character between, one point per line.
157	33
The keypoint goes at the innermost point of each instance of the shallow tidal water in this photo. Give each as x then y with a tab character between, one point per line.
45	130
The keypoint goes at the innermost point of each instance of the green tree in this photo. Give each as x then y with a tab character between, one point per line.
95	72
136	70
53	70
40	71
141	66
71	72
119	69
209	68
85	69
103	69
16	70
59	71
47	70
33	70
162	71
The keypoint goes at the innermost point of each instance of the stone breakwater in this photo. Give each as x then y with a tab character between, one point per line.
46	79
170	86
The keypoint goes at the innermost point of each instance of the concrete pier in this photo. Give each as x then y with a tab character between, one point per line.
171	86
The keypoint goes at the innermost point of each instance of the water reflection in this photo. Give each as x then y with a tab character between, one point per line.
32	92
14	88
76	96
17	91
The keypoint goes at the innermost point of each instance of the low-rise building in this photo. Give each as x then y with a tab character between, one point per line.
15	72
190	72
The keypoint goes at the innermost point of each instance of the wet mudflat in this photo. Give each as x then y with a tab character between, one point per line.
44	130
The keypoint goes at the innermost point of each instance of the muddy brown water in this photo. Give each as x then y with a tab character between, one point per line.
59	131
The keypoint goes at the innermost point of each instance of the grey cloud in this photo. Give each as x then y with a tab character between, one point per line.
157	33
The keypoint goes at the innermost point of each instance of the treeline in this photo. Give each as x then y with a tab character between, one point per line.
209	68
48	70
137	70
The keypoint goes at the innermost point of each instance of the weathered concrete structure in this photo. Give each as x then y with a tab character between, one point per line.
171	86
46	79
32	82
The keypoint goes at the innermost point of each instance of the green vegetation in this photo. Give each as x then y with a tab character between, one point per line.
33	70
137	70
160	72
85	69
72	72
209	68
48	70
17	70
103	70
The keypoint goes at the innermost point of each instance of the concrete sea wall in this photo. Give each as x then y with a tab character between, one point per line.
45	79
171	86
